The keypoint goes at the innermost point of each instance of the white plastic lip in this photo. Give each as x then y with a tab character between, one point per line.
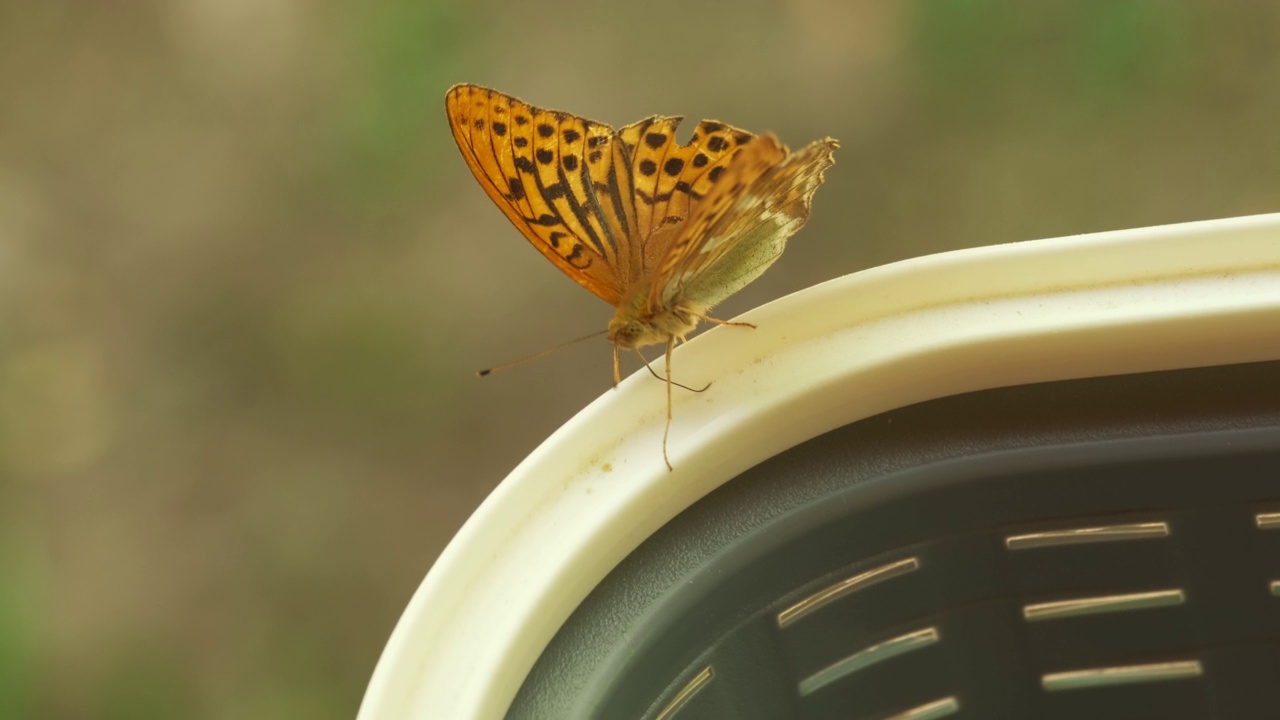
1178	296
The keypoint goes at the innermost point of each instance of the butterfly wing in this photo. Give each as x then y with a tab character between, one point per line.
743	223
562	180
672	180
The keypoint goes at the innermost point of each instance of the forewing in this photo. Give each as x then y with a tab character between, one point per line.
672	180
743	224
561	180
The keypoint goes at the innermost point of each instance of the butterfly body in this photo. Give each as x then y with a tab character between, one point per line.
660	230
636	325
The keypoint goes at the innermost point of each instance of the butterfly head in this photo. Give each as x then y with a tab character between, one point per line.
636	324
631	334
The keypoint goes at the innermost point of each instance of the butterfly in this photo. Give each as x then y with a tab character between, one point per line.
659	230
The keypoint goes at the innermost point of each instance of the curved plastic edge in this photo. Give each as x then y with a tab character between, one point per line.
1177	296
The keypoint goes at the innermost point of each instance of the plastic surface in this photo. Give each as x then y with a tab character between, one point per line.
1132	301
1012	552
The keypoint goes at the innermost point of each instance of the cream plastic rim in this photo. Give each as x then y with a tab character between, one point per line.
1176	296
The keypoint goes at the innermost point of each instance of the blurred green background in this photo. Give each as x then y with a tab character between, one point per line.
245	277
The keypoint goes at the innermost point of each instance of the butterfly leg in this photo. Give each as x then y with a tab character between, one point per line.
715	321
654	373
671	343
617	377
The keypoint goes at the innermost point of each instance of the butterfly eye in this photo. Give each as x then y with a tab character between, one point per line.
627	334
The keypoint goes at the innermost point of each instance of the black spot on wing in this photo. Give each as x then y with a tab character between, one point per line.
683	187
490	171
516	191
717	143
673	167
577	259
560	190
655	140
648	168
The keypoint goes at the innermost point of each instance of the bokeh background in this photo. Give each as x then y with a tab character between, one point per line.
245	278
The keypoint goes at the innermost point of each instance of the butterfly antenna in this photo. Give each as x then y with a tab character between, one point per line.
535	356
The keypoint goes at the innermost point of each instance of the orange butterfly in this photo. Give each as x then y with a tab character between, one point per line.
661	231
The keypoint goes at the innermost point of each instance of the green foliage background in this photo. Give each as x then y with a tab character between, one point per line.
245	278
